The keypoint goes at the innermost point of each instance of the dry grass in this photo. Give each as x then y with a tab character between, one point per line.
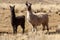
5	22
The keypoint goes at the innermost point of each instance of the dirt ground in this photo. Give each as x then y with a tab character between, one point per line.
52	10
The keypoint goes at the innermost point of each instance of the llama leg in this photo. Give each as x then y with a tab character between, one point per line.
34	28
23	27
43	26
13	30
47	27
16	29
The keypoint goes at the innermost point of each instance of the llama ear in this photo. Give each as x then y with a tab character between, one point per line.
14	6
26	3
10	6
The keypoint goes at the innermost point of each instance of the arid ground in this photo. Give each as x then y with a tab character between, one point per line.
6	31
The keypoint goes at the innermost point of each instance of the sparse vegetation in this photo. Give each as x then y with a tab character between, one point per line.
5	25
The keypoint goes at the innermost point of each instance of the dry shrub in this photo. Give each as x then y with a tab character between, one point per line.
59	14
56	12
44	11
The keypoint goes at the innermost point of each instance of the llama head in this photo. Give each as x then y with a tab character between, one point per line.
12	8
28	5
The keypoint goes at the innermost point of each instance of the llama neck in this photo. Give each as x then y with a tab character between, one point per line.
29	14
13	14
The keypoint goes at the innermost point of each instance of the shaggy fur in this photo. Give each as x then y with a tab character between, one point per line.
15	21
36	19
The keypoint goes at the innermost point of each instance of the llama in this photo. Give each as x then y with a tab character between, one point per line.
15	21
37	19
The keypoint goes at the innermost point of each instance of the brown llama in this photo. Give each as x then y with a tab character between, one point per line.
37	19
15	21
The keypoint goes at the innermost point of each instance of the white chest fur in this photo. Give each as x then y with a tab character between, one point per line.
28	15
